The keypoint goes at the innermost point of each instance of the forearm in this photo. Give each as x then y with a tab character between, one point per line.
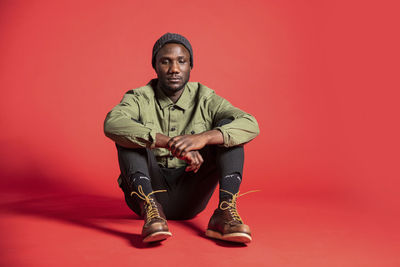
162	140
128	132
181	145
240	131
212	137
242	128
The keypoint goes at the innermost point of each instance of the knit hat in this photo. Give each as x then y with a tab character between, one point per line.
171	38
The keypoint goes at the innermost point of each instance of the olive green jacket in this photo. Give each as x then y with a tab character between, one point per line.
146	111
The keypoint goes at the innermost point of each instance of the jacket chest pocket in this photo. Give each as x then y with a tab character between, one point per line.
147	114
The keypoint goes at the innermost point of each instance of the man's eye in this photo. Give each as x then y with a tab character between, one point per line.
164	61
182	61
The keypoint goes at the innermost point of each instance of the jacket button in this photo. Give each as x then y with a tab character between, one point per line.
192	132
171	157
173	129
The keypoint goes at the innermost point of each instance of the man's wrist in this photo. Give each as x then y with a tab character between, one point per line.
162	140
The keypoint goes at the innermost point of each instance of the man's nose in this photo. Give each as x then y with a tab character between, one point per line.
174	67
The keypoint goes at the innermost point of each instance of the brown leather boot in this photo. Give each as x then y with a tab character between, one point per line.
226	224
155	226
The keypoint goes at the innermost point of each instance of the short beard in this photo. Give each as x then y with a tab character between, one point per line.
167	88
172	89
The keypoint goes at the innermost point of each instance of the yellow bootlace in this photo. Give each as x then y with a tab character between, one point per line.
152	211
231	205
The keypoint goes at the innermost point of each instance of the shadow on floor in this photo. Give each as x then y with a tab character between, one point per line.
34	193
52	198
81	210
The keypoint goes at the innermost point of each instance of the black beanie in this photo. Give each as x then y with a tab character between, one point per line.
171	38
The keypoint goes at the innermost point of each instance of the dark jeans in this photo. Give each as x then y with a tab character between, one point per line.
187	192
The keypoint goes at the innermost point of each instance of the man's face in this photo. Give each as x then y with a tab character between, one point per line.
173	67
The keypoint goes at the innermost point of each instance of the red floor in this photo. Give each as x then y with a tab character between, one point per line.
67	228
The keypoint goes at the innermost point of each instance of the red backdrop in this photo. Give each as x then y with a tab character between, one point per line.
321	77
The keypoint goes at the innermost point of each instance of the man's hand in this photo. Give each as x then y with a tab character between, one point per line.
186	147
182	144
194	159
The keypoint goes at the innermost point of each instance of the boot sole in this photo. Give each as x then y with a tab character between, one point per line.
157	236
233	237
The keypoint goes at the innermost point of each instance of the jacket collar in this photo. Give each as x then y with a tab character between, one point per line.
164	101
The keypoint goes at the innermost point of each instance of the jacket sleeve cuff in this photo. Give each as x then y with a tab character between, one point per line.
224	134
152	135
